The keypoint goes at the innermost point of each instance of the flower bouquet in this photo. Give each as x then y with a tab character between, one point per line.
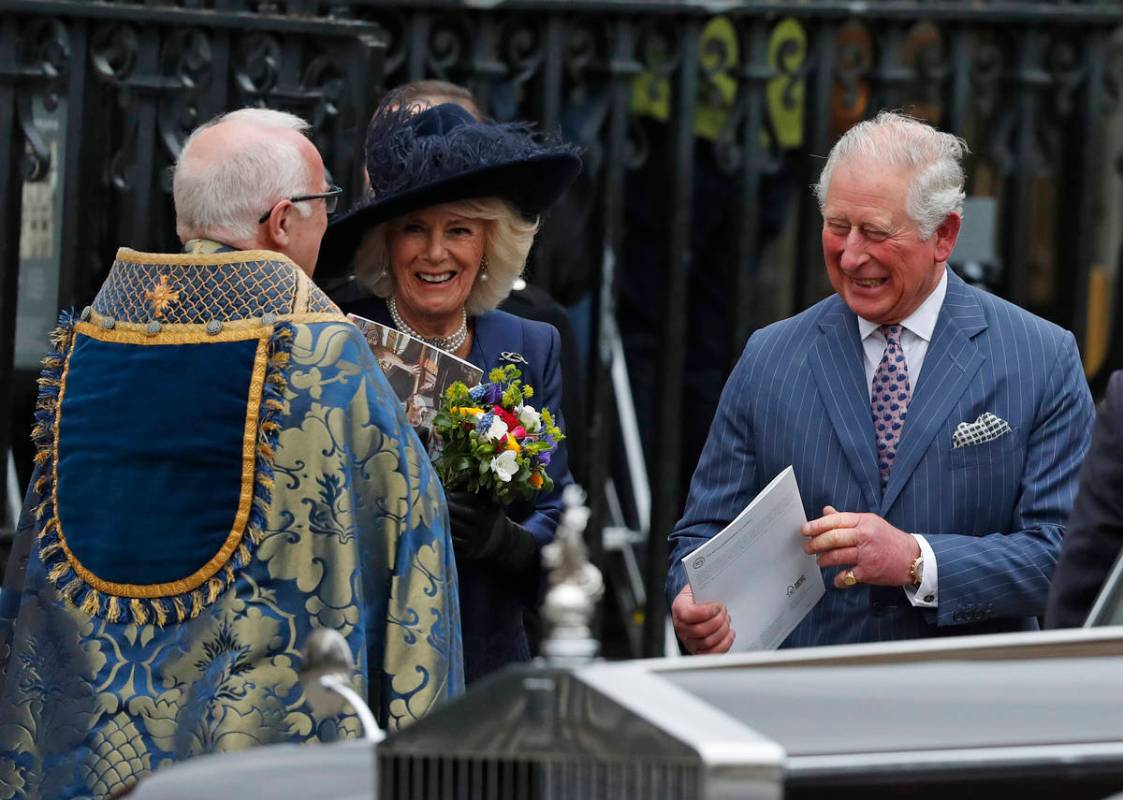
492	442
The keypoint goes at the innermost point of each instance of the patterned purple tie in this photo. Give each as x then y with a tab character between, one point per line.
889	399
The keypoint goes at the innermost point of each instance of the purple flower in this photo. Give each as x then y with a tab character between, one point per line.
477	392
484	422
494	394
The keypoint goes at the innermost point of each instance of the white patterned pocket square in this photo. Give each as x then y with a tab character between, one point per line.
985	429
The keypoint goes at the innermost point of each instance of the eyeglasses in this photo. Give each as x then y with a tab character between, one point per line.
330	198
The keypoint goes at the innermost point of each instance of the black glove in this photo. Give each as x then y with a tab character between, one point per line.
481	532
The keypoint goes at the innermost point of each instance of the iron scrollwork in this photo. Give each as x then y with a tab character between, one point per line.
987	65
586	100
930	62
660	55
853	63
449	44
1067	71
44	58
523	50
113	51
257	65
188	59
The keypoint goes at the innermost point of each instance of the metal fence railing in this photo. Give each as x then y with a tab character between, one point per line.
95	101
703	125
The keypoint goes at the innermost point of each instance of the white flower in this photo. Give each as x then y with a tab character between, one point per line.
504	465
530	418
496	431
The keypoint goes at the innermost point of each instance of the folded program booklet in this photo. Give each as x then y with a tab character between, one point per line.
756	567
418	373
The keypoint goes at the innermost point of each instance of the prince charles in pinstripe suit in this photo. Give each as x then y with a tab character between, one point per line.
936	430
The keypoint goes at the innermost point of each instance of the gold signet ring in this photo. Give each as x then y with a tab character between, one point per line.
849	578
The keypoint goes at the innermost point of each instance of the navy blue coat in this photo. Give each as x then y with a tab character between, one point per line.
492	603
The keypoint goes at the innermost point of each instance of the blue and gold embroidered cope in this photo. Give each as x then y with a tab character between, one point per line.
221	468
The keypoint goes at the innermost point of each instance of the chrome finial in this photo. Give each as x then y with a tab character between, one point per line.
575	587
326	678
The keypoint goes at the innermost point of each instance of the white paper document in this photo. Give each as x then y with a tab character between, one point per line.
756	567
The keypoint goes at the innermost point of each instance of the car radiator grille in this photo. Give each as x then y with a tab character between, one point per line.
404	777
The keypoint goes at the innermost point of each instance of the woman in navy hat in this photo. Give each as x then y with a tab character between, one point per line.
438	243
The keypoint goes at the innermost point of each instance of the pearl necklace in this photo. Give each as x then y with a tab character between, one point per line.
450	343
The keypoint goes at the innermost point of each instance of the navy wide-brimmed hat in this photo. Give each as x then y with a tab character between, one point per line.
416	159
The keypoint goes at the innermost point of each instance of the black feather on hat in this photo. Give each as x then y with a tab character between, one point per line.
441	155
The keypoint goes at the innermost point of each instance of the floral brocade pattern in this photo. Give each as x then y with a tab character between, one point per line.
355	539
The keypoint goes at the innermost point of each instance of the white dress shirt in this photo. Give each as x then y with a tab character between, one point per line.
916	334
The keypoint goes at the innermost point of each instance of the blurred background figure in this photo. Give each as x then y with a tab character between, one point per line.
1094	536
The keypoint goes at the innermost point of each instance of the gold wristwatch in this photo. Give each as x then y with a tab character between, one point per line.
916	571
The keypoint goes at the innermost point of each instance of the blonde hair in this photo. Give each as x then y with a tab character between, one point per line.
507	241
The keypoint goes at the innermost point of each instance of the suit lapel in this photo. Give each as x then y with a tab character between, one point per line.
493	336
949	365
838	367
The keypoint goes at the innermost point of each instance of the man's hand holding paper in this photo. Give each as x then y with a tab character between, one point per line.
704	628
756	570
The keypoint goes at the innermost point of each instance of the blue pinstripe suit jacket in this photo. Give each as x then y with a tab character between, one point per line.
993	513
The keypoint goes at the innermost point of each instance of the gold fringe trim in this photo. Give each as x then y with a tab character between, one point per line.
70	589
48	529
90	603
113	610
160	611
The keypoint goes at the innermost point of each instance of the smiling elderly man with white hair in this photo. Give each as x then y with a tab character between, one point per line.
222	468
935	430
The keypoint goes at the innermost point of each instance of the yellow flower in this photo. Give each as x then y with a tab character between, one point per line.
467	411
536	480
512	444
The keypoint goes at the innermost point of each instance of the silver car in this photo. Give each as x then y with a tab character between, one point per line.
1031	715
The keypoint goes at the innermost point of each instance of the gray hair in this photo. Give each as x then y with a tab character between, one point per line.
224	198
897	140
508	239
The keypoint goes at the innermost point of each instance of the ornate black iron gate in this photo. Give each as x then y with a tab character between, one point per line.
703	122
95	101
